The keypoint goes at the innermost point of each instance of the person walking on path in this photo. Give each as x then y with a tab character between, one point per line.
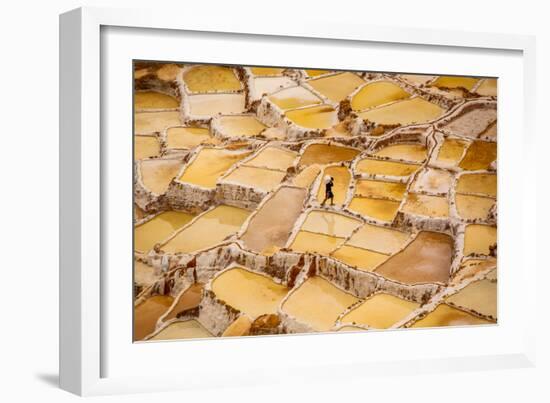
329	183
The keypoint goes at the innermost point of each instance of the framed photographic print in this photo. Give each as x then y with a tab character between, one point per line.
245	203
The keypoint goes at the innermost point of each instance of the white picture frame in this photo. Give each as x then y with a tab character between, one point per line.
93	361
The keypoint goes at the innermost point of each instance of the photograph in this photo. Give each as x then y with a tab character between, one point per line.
276	200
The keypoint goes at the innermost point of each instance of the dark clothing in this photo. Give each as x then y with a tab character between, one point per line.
328	190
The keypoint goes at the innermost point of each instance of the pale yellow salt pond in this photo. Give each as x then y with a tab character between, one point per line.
478	239
306	176
482	184
327	154
274	158
329	223
377	93
380	209
473	207
188	137
251	293
267	71
363	259
379	239
158	229
317	303
157	174
407	152
432	181
314	117
377	167
479	155
445	315
185	329
254	177
341	177
151	122
147	313
451	151
380	189
426	259
487	87
338	86
240	126
425	205
404	112
146	147
209	165
154	100
211	79
208	105
380	311
267	85
169	72
479	296
316	72
315	243
271	225
455	82
209	229
294	97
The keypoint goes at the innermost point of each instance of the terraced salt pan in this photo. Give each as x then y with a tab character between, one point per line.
306	176
379	209
168	72
157	174
152	122
473	207
313	117
189	299
417	79
451	151
481	184
187	329
479	238
425	205
377	93
479	155
211	79
427	259
294	97
406	152
209	229
380	311
239	126
379	239
342	178
471	123
259	178
445	315
312	242
487	87
338	86
432	181
479	296
378	167
360	258
327	154
208	105
380	189
188	137
455	82
146	147
274	158
317	303
251	293
404	112
267	71
272	224
269	85
147	313
154	100
316	72
158	229
329	223
209	165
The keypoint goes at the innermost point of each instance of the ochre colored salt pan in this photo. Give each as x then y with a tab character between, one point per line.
158	229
